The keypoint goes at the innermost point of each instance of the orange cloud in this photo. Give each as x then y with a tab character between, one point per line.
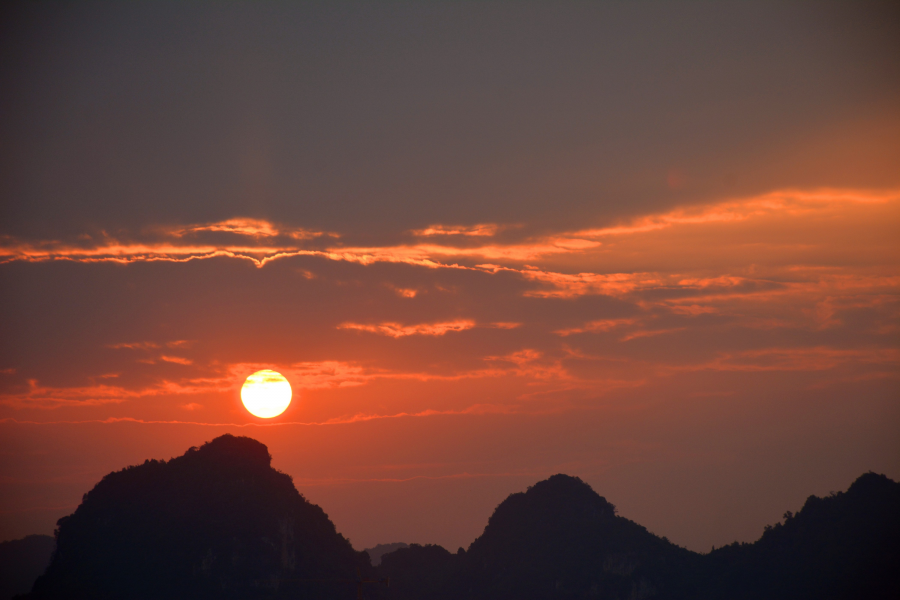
820	358
405	292
151	345
180	343
176	359
505	325
427	255
650	333
131	253
565	285
38	396
134	345
397	330
303	375
484	230
600	325
582	246
784	202
255	228
693	310
241	226
477	409
532	364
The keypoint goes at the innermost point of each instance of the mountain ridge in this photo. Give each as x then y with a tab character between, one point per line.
220	522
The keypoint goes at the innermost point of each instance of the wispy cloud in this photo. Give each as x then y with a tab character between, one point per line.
649	333
405	292
598	326
151	345
515	255
505	325
254	228
178	360
134	346
782	202
818	358
477	409
806	288
248	227
483	230
397	330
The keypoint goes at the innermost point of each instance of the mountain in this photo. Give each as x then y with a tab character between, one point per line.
561	540
217	522
21	561
419	572
220	522
380	550
846	545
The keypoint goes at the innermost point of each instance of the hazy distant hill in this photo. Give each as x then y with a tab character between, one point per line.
217	522
21	561
422	572
380	550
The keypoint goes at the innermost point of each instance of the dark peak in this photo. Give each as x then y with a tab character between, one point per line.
211	523
871	482
560	503
868	488
561	483
233	450
571	492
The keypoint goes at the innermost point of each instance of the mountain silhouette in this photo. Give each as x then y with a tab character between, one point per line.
561	540
846	545
21	561
220	522
217	522
418	571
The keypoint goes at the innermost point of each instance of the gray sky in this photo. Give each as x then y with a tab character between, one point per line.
344	116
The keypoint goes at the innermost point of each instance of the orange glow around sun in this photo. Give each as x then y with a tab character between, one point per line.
266	394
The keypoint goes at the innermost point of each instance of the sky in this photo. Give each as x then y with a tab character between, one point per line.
653	245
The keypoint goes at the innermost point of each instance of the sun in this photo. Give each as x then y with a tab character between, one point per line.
266	394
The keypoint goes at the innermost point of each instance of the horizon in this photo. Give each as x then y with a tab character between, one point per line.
653	246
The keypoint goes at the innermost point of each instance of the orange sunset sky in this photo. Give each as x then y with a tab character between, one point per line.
653	245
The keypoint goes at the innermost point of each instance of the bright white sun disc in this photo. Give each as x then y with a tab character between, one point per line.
266	394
